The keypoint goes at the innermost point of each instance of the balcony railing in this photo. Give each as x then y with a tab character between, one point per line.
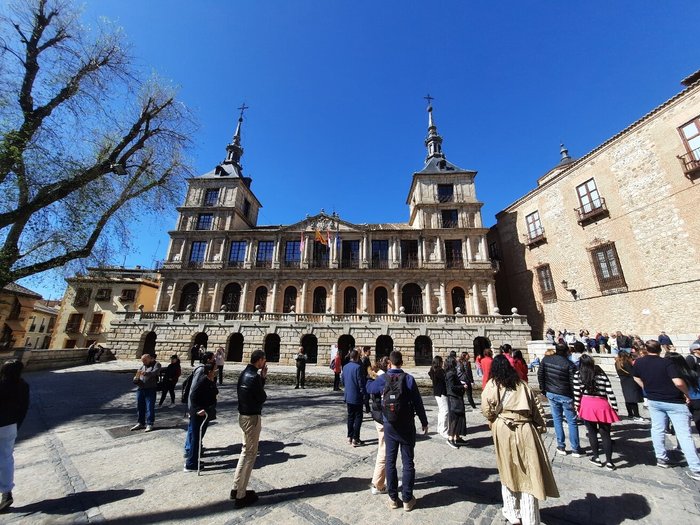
72	328
454	262
595	210
350	263
379	264
194	264
235	264
691	163
446	198
535	237
450	223
263	264
411	261
291	264
319	263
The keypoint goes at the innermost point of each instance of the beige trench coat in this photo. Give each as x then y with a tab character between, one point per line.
523	464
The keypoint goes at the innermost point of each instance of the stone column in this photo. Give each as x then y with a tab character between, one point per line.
397	298
465	251
363	251
244	297
182	250
172	296
159	295
222	252
302	305
215	300
483	255
365	292
469	250
200	296
306	249
440	249
334	296
490	297
475	298
426	299
276	252
443	298
421	251
273	297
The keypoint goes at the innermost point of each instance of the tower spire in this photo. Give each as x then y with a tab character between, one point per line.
434	141
565	157
234	150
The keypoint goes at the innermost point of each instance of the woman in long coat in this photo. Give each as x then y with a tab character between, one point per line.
516	419
631	391
457	421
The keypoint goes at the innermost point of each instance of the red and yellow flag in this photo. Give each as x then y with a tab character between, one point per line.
320	238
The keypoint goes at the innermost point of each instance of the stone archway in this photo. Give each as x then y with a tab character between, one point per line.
201	339
350	300
458	300
412	301
272	348
481	343
423	351
319	300
188	297
346	343
381	300
235	348
231	297
383	346
149	344
310	344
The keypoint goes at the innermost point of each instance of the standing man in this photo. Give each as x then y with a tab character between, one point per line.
207	359
301	367
400	433
202	403
194	354
220	360
555	376
146	379
337	368
693	359
667	393
354	395
251	396
365	365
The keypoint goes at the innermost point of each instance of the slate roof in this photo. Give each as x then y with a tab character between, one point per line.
21	290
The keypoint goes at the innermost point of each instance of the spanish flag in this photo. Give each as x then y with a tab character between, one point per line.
320	238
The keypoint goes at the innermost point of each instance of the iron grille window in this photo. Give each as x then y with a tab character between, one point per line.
544	276
204	221
446	192
607	267
351	254
409	254
450	219
380	254
211	197
74	322
264	257
261	298
453	253
292	254
197	251
320	252
82	297
236	254
95	324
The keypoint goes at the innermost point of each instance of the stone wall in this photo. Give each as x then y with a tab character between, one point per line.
42	359
127	335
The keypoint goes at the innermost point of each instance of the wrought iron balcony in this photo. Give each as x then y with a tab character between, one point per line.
380	263
454	262
291	264
235	264
593	211
691	163
410	261
263	264
350	263
535	238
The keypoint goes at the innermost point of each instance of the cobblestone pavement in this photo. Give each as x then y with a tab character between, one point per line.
77	462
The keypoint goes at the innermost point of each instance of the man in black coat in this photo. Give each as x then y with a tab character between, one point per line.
251	396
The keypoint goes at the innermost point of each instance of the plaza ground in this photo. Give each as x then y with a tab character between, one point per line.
77	462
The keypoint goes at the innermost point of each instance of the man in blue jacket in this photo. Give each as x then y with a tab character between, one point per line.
401	433
354	381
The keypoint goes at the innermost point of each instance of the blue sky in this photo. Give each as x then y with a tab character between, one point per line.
335	88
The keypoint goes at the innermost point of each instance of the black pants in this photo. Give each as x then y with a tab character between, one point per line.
470	396
168	387
632	409
221	374
354	421
301	377
336	382
593	429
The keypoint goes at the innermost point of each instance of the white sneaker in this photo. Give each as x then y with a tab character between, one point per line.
137	426
375	491
148	428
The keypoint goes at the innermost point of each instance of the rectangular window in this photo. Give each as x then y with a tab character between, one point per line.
446	192
128	294
70	343
534	226
74	322
588	196
82	297
204	221
197	251
607	268
493	251
380	254
264	257
351	254
450	219
453	254
236	255
320	255
409	254
211	197
246	208
95	324
691	137
103	294
544	276
292	255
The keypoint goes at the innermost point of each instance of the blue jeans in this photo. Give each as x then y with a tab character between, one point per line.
679	415
146	405
406	441
193	441
8	435
564	406
189	436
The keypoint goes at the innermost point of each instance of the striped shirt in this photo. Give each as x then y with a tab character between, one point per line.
603	388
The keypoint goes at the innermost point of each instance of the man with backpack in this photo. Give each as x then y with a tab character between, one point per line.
401	402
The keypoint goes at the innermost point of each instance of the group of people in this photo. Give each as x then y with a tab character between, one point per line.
603	342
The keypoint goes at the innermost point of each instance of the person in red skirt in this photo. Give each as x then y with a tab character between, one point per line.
596	405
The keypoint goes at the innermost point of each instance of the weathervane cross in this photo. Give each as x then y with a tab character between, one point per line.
429	99
243	108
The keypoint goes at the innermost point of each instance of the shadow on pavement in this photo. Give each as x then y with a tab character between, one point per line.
465	483
608	510
269	453
79	502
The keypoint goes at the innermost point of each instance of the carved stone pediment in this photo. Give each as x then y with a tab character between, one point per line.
323	222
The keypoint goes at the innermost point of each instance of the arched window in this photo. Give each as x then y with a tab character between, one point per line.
381	300
383	346
350	301
423	350
319	306
412	301
261	298
272	348
290	299
458	300
188	296
232	297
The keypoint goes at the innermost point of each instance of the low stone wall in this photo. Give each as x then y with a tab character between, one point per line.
35	359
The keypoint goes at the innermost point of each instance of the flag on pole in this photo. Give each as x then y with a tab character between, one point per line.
301	244
319	238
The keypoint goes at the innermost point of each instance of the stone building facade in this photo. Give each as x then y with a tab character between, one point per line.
418	286
611	241
16	307
90	302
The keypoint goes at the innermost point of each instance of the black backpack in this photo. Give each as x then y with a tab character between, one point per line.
394	403
186	386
